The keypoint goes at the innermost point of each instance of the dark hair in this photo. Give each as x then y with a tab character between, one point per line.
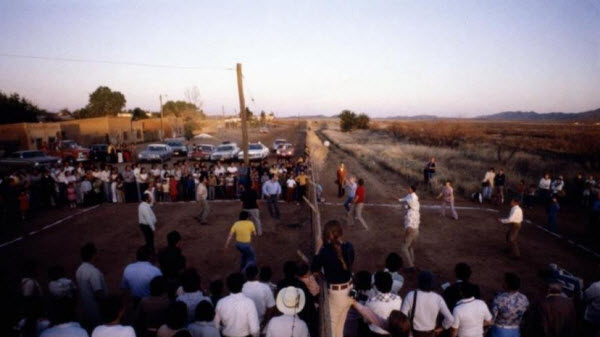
145	196
110	307
265	274
362	280
63	311
244	215
216	288
512	281
88	251
182	333
34	310
413	188
28	267
158	286
205	312
462	271
173	238
55	272
467	291
426	281
190	280
235	282
143	253
398	324
361	181
383	281
251	272
289	269
516	200
302	269
177	316
393	262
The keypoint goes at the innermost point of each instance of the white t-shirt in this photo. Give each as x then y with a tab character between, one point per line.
383	305
469	316
291	183
113	331
261	295
282	326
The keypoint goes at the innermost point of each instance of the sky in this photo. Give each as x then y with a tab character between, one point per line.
383	58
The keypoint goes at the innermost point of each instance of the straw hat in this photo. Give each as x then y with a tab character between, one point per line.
290	300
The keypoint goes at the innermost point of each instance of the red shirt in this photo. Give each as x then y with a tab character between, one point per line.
360	195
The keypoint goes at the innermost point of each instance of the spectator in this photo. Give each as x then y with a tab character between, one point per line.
236	314
29	285
202	199
63	321
138	275
290	188
355	326
216	291
302	180
334	260
429	172
508	308
470	315
204	325
555	315
260	294
447	196
452	294
384	302
591	298
514	220
271	191
176	320
171	259
35	320
192	295
411	225
557	187
92	287
544	188
147	220
152	310
397	323
243	230
393	264
112	311
290	301
423	306
552	211
488	184
305	276
249	204
341	178
499	182
60	286
265	276
350	191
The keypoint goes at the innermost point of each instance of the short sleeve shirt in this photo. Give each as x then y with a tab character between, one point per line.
243	230
509	308
469	316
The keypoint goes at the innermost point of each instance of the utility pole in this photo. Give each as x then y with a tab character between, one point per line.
162	130
243	113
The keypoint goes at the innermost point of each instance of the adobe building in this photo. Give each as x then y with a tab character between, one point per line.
27	136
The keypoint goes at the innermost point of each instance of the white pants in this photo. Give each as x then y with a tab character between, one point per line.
255	216
339	304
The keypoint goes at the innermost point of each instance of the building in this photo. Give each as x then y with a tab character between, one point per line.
27	136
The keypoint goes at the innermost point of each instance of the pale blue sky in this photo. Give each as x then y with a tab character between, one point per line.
451	58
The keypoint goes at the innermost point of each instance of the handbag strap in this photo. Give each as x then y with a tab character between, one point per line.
412	310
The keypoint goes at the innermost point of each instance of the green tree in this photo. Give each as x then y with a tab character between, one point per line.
103	102
362	121
347	120
188	111
16	109
138	113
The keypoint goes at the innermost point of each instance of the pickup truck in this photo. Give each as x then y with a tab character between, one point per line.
70	151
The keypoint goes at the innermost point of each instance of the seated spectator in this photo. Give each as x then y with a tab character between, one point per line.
424	306
35	320
591	298
470	315
555	315
259	293
29	286
216	291
452	294
290	301
204	325
171	259
138	275
236	314
393	264
265	275
304	275
384	302
397	323
175	321
63	321
192	295
112	310
60	286
152	310
92	286
508	308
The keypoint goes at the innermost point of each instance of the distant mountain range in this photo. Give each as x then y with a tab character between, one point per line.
586	116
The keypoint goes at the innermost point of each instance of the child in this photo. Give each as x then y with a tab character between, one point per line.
71	195
165	190
173	188
23	204
59	286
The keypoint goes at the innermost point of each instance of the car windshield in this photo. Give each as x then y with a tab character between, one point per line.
71	145
33	154
177	144
206	148
155	148
255	147
225	148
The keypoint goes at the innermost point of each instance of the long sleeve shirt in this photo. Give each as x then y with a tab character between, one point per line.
237	316
515	215
327	261
413	217
271	188
489	177
146	215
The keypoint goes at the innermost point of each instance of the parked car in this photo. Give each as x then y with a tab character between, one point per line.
277	143
71	151
202	152
256	151
156	152
99	152
178	146
263	129
225	152
285	150
23	159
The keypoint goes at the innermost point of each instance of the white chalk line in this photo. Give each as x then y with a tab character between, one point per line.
37	231
467	208
569	241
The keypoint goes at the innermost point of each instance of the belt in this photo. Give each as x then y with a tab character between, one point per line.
340	286
506	326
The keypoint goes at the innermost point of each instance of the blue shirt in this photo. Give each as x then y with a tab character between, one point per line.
137	277
71	329
271	188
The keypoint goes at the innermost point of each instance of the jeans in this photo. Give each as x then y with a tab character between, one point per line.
248	257
211	193
497	331
552	223
348	202
148	235
273	203
487	192
107	191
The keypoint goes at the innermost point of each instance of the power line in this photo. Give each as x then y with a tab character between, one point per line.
125	63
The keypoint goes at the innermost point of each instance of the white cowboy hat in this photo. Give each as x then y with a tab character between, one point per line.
290	300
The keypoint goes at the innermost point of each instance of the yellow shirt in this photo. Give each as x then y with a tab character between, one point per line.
243	230
301	179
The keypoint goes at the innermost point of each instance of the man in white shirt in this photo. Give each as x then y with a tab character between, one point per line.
92	287
138	275
384	302
259	293
202	199
411	225
470	315
290	301
544	188
515	219
271	191
112	311
105	177
426	307
192	295
236	314
147	220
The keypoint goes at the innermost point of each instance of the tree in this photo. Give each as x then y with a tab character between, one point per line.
103	102
349	121
183	109
138	113
16	109
362	121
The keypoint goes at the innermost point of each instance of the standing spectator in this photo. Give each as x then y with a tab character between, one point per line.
530	196
470	315
265	275
71	195
204	326
334	260
350	191
393	263
290	188
447	196
35	320
557	187
173	188
302	180
359	204
92	287
147	220
499	183
508	308
236	314
202	199
514	220
429	171
23	204
138	275
30	287
243	229
411	225
192	295
249	204
290	301
171	259
60	286
129	184
271	191
452	294
176	320
230	186
305	276
591	298
112	311
105	178
422	306
552	211
384	302
544	188
555	315
521	190
152	310
488	184
63	321
341	178
260	294
212	184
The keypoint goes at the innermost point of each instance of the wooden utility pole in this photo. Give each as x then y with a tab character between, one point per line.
162	130
243	113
